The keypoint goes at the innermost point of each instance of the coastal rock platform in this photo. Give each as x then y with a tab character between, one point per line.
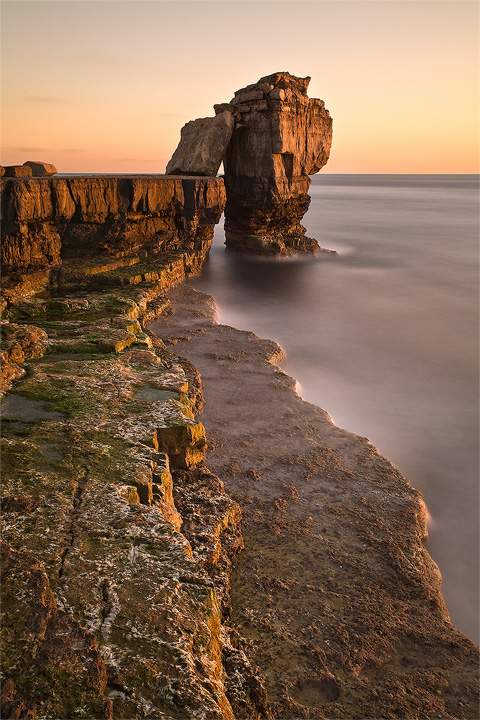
335	593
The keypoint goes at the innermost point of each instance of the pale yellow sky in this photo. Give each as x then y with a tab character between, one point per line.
106	85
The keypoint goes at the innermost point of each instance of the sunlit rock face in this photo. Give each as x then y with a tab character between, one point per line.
271	137
47	220
202	145
281	136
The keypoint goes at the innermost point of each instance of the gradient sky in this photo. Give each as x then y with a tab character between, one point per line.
106	85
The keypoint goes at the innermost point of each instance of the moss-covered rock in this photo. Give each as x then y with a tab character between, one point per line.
90	434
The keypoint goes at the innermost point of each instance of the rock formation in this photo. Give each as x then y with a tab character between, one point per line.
202	146
40	168
117	540
280	137
45	220
16	171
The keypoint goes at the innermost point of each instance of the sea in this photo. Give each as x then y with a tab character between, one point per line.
384	337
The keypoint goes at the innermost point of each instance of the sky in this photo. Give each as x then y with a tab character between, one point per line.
106	85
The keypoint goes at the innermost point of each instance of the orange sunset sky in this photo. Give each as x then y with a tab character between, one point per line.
106	85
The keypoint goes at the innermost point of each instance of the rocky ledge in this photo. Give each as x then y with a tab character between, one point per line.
334	591
117	540
51	219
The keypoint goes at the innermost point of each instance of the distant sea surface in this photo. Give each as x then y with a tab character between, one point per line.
384	337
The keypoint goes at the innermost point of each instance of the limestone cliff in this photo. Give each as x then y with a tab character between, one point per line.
49	219
117	540
271	136
281	137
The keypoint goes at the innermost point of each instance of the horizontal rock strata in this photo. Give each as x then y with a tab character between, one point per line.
117	540
46	220
271	137
281	137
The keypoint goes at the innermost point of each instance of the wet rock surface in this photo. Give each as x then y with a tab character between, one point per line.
334	596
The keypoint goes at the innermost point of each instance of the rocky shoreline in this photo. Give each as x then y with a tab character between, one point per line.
119	599
335	593
117	540
281	575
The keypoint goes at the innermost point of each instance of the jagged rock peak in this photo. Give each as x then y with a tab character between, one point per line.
276	81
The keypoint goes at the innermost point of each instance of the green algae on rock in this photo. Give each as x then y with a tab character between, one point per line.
118	617
89	501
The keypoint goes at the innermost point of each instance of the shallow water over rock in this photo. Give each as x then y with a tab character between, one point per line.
17	407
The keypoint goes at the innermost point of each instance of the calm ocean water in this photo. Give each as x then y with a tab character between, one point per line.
385	338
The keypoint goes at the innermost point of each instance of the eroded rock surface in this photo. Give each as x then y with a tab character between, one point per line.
40	168
281	137
202	146
272	136
46	220
17	171
335	592
118	540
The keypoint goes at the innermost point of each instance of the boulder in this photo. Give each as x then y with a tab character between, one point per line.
202	146
41	169
17	171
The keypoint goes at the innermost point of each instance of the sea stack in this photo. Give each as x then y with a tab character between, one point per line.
279	136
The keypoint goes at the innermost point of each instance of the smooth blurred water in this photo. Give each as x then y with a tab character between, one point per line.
385	338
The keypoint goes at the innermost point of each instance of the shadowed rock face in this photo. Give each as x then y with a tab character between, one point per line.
281	136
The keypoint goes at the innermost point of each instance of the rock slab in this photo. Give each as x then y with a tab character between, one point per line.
46	220
40	168
18	171
202	146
